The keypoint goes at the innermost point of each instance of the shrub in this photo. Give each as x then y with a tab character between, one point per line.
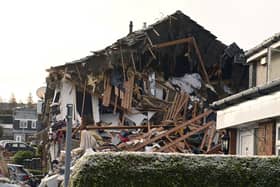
172	170
19	157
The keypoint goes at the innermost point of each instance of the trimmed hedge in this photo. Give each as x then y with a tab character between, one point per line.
158	169
20	156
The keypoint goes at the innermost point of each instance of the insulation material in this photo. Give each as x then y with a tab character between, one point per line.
50	181
87	140
188	83
159	93
152	82
95	109
110	118
136	117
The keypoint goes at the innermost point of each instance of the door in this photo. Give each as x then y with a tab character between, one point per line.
246	143
18	138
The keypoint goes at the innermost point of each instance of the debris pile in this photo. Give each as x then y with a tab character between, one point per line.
149	91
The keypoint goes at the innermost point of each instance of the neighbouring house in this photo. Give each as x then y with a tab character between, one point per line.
25	124
252	117
153	87
6	120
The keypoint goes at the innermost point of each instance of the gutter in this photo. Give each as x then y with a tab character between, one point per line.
246	95
263	45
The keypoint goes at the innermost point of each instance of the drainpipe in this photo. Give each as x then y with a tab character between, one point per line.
268	64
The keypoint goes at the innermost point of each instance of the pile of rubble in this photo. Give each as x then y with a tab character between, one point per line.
149	91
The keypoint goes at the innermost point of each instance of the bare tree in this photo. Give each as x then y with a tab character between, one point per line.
13	100
29	100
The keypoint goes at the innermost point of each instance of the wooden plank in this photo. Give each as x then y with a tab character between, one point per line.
152	53
215	150
194	109
126	127
204	72
183	103
84	98
185	110
210	139
186	136
107	92
133	62
79	73
168	115
204	139
183	125
177	102
187	40
232	141
127	98
123	68
174	42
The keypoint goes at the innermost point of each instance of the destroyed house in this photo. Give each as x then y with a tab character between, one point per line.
150	90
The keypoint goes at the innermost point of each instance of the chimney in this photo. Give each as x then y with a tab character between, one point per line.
130	27
144	25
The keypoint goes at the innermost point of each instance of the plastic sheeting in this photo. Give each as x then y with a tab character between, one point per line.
188	83
87	140
95	109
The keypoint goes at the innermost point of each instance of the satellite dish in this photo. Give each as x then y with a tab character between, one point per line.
41	92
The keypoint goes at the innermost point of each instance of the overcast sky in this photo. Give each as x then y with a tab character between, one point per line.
37	34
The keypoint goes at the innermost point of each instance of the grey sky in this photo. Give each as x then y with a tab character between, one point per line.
37	34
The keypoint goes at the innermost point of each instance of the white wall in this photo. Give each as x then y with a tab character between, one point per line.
252	110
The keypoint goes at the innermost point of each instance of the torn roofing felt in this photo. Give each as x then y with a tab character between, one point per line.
137	51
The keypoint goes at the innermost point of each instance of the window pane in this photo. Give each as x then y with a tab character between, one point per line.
278	133
14	145
22	145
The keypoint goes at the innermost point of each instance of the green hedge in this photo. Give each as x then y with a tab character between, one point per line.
20	156
157	170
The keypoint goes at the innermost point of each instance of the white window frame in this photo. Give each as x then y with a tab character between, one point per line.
33	124
23	124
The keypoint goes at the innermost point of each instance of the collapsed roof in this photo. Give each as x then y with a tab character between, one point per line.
173	69
139	50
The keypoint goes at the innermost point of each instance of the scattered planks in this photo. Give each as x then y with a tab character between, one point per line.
179	103
177	128
107	91
127	95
